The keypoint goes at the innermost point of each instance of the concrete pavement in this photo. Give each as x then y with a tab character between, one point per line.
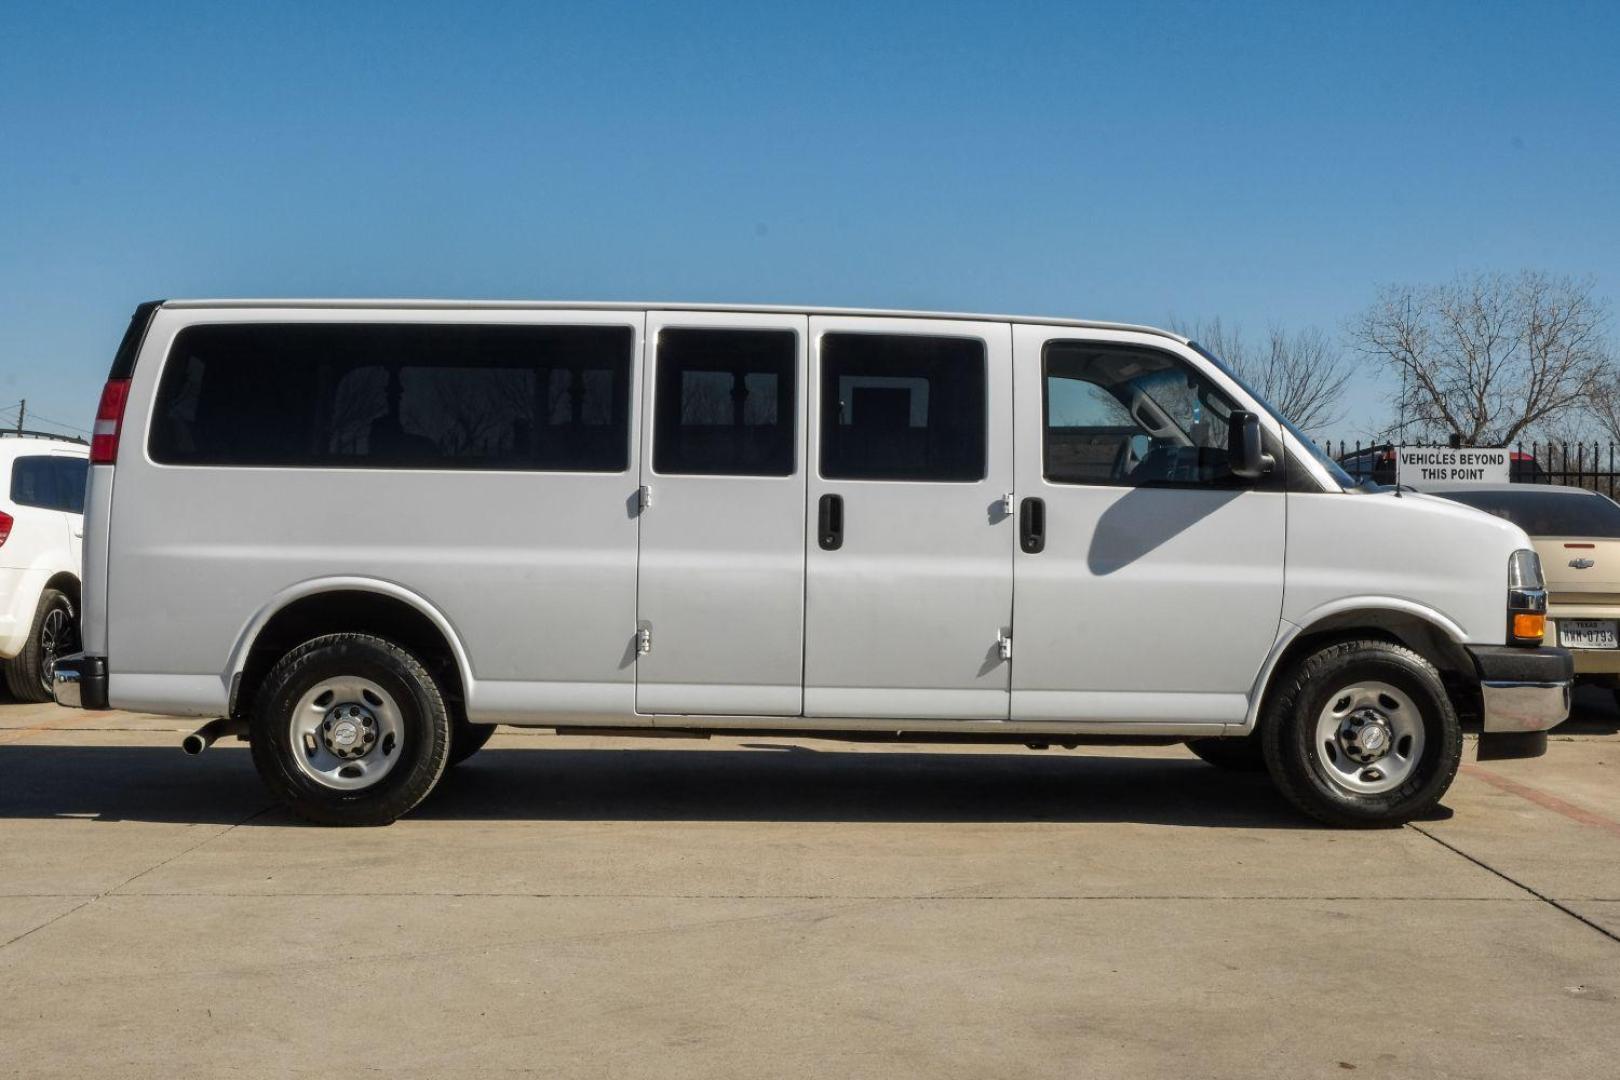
746	907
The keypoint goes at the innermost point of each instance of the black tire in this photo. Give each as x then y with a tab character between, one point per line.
1301	769
1240	754
54	633
467	739
424	743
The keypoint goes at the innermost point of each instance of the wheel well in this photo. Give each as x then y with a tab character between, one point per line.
350	611
66	583
1418	634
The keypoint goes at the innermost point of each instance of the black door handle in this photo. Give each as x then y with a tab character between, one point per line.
830	522
1032	525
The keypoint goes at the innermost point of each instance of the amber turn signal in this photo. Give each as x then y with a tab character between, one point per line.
1529	626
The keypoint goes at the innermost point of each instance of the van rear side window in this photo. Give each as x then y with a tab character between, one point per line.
724	404
403	396
902	407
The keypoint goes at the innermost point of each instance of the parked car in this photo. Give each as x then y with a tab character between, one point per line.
42	481
1577	534
1378	464
360	534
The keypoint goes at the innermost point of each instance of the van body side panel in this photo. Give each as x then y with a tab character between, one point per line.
534	571
903	617
1429	552
721	577
1149	604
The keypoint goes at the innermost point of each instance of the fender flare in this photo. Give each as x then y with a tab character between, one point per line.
313	587
1291	632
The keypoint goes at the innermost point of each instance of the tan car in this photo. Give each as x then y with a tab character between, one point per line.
1577	534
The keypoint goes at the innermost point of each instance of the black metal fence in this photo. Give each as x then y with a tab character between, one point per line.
1589	465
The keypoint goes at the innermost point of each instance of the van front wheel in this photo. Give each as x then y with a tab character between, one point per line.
350	729
1362	733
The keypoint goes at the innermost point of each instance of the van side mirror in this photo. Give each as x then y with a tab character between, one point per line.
1245	454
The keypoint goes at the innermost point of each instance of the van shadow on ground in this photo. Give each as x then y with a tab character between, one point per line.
771	782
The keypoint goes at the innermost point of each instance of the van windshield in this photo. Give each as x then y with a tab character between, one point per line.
1333	468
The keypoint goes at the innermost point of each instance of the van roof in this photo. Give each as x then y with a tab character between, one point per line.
613	305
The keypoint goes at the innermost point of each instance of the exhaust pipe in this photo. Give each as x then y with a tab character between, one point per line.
205	736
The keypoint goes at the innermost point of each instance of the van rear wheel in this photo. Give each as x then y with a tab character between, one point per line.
1362	733
350	729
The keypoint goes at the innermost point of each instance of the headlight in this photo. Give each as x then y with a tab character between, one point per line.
1526	599
1524	570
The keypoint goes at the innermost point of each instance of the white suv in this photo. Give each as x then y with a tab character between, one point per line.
42	480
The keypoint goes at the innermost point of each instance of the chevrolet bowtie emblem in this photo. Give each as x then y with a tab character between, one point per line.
1581	564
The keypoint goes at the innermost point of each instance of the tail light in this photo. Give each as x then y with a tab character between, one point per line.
109	419
5	525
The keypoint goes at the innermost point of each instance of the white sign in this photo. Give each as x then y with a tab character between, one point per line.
1425	466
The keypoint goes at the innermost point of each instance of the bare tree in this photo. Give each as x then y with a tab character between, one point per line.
1603	410
1488	357
1300	373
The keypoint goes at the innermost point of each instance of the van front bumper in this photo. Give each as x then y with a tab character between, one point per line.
1523	693
80	682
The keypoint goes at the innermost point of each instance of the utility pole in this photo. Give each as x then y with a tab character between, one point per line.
22	414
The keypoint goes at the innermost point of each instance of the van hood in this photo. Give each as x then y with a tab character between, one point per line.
1468	517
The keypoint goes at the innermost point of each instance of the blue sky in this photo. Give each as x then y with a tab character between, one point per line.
1260	162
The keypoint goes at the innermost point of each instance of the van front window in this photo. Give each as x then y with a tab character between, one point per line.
1317	454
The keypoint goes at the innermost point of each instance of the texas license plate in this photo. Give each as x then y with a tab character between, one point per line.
1588	634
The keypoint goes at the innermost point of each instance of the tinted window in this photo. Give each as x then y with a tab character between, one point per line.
724	402
72	476
50	482
901	407
1546	513
397	396
1131	417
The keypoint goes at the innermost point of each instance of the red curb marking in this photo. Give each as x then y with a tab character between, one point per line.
11	735
1544	800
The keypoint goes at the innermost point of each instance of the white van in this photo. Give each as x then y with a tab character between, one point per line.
361	533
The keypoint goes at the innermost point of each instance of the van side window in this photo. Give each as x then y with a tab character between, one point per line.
1127	416
49	482
421	396
724	402
902	407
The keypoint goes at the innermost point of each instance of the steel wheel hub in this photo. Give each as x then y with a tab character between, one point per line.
1369	738
349	731
1365	736
346	733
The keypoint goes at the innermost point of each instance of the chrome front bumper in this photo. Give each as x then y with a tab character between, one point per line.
1523	693
1524	706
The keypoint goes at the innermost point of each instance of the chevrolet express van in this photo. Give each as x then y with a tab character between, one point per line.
359	534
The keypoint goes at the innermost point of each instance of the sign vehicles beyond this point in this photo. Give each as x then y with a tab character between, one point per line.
1421	466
